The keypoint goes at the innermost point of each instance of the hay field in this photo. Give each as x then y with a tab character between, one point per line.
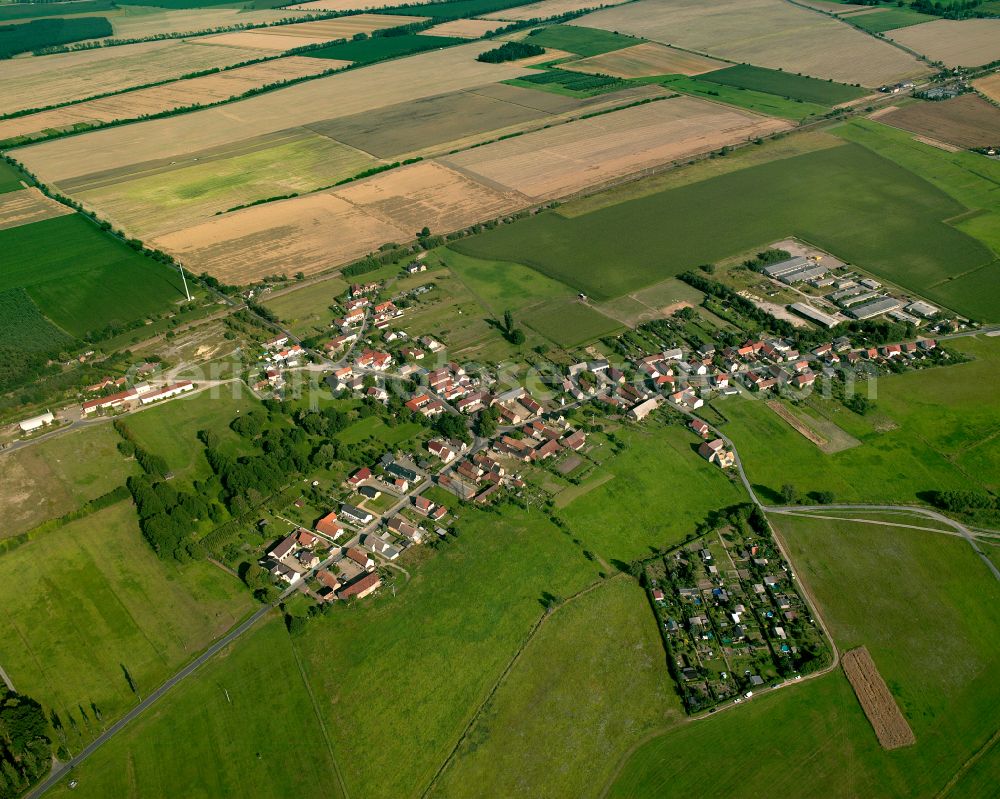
568	158
328	228
967	121
164	197
645	60
195	91
37	82
435	124
990	86
352	92
133	22
26	206
279	38
956	43
546	9
768	33
462	28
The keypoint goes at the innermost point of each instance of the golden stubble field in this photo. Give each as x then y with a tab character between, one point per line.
40	81
320	231
280	38
351	92
547	8
768	33
26	206
462	28
133	22
645	60
956	43
990	86
157	99
566	159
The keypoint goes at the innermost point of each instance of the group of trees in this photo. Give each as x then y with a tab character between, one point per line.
967	501
25	749
510	51
512	333
169	517
151	464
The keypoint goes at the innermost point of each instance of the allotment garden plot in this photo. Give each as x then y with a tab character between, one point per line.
770	33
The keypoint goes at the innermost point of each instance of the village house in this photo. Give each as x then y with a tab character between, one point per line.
716	452
361	587
362	474
403	528
700	427
355	515
643	409
360	557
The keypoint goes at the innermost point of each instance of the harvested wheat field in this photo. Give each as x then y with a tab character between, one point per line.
329	228
351	92
583	154
348	5
833	7
433	125
26	206
158	197
546	9
891	728
133	22
990	86
47	80
179	94
956	43
279	38
462	28
967	121
645	60
768	33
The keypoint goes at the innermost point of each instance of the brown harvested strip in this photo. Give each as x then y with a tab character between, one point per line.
891	729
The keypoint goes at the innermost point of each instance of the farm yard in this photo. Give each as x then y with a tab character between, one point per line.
585	153
967	121
645	60
967	42
768	33
158	99
68	77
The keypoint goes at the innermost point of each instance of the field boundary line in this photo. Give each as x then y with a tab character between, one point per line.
506	672
968	764
319	718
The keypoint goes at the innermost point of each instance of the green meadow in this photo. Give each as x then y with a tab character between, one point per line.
846	199
582	41
751	99
379	48
922	604
784	84
89	601
10	178
573	704
82	278
241	713
888	19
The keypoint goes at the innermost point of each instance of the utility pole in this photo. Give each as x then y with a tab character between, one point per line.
184	281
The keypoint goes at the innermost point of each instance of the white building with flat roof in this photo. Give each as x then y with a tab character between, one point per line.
35	422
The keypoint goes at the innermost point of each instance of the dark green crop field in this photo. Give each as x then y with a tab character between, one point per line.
10	178
27	36
847	200
82	278
889	19
785	84
582	41
33	10
379	48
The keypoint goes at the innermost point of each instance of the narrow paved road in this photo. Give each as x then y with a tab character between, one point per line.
144	705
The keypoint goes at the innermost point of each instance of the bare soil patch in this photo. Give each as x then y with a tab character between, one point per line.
568	158
39	81
285	37
180	94
957	43
644	60
769	33
891	728
967	121
547	8
352	92
26	206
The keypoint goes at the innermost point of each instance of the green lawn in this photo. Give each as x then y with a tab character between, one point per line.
82	278
84	602
171	429
582	41
372	49
501	285
570	323
306	310
53	477
226	731
399	677
591	683
750	99
660	491
846	199
931	430
374	426
922	603
888	19
785	84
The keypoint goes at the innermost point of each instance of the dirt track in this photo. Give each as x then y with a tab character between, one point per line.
891	729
